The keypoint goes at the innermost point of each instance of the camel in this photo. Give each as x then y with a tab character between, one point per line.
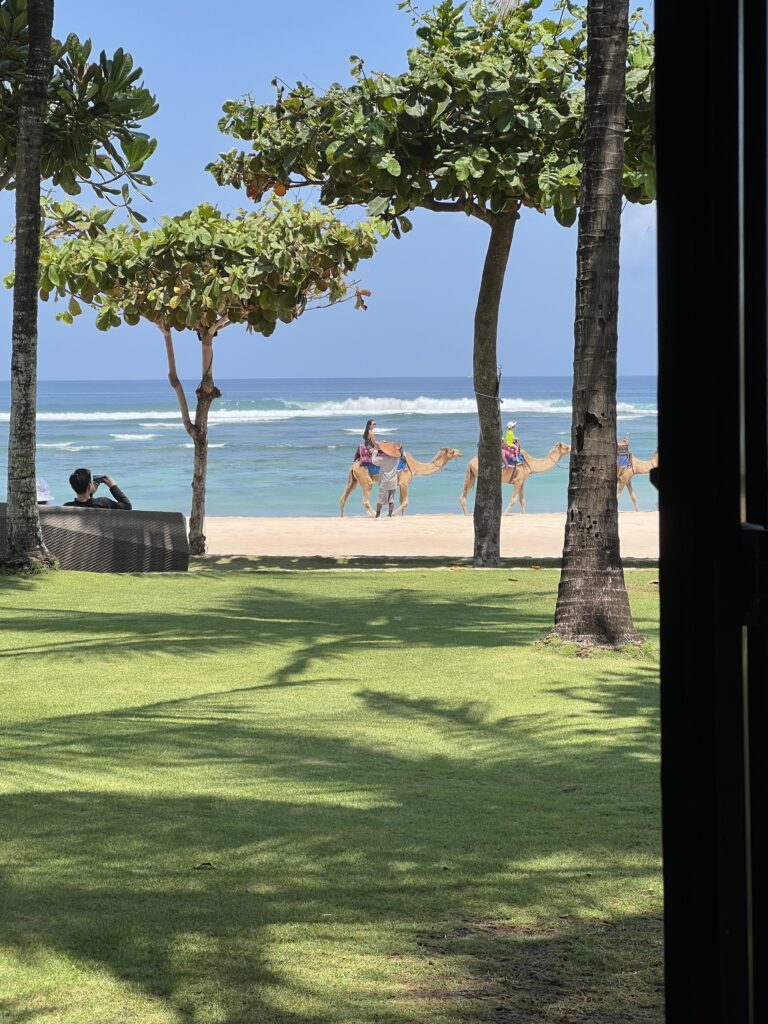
636	467
517	476
360	477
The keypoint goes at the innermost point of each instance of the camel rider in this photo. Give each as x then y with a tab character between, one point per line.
510	447
623	454
366	448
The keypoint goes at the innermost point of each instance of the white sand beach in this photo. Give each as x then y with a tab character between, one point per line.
533	535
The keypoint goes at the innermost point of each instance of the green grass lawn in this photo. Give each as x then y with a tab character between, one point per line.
263	797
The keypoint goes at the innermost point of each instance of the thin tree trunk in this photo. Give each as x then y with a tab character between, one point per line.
206	393
25	540
592	603
487	514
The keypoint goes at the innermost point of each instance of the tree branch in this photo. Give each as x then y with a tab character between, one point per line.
456	206
176	384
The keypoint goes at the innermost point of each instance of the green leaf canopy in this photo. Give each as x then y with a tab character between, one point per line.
95	109
203	269
486	118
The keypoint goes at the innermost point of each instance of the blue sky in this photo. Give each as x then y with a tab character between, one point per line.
419	320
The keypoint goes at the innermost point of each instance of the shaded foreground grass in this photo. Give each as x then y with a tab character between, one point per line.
287	798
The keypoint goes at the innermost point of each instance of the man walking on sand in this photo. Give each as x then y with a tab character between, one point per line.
387	457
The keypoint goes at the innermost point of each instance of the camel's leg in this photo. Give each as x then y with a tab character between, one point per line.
632	495
522	497
512	501
469	483
403	500
351	485
366	489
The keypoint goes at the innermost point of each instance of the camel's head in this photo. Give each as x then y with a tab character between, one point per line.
450	453
562	449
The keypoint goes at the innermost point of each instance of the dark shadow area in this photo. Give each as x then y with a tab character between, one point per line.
595	972
424	844
374	618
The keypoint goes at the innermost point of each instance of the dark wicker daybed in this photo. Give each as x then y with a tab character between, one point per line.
112	540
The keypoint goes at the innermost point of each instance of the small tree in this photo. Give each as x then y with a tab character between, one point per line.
486	121
61	123
202	272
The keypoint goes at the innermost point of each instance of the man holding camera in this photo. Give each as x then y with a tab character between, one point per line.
85	486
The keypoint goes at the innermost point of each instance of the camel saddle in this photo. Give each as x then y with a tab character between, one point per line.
390	448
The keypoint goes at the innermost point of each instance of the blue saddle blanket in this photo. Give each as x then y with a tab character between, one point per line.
622	461
374	470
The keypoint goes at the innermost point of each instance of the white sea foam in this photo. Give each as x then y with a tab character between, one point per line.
189	444
70	446
364	407
133	437
378	430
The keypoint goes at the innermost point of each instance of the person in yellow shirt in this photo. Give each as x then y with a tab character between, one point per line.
510	446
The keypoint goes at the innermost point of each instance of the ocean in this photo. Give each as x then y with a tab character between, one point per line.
284	447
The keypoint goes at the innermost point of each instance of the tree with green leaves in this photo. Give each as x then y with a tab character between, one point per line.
70	121
199	273
486	121
592	603
25	547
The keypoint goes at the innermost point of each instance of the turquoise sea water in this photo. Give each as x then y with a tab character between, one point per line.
283	447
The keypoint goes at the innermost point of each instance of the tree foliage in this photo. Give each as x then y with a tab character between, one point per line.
203	267
95	109
487	117
201	272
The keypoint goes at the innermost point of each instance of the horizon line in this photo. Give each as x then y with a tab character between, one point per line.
152	380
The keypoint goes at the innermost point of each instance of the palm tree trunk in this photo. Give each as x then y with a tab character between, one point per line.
487	514
25	547
592	604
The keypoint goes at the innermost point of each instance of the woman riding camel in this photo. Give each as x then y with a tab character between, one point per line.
368	445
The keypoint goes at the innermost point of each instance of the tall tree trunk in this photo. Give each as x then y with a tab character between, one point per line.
206	393
25	540
487	514
592	603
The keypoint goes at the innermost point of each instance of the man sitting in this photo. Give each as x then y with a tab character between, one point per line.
85	486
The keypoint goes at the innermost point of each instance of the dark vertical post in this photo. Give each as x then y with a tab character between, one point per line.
755	226
705	791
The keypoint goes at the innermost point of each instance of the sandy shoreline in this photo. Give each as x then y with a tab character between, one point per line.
533	535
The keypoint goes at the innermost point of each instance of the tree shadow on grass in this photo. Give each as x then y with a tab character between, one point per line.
372	620
369	842
343	838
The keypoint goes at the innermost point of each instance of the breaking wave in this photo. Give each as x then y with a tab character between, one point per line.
133	437
272	410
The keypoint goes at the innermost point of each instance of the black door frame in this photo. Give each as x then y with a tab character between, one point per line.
713	388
